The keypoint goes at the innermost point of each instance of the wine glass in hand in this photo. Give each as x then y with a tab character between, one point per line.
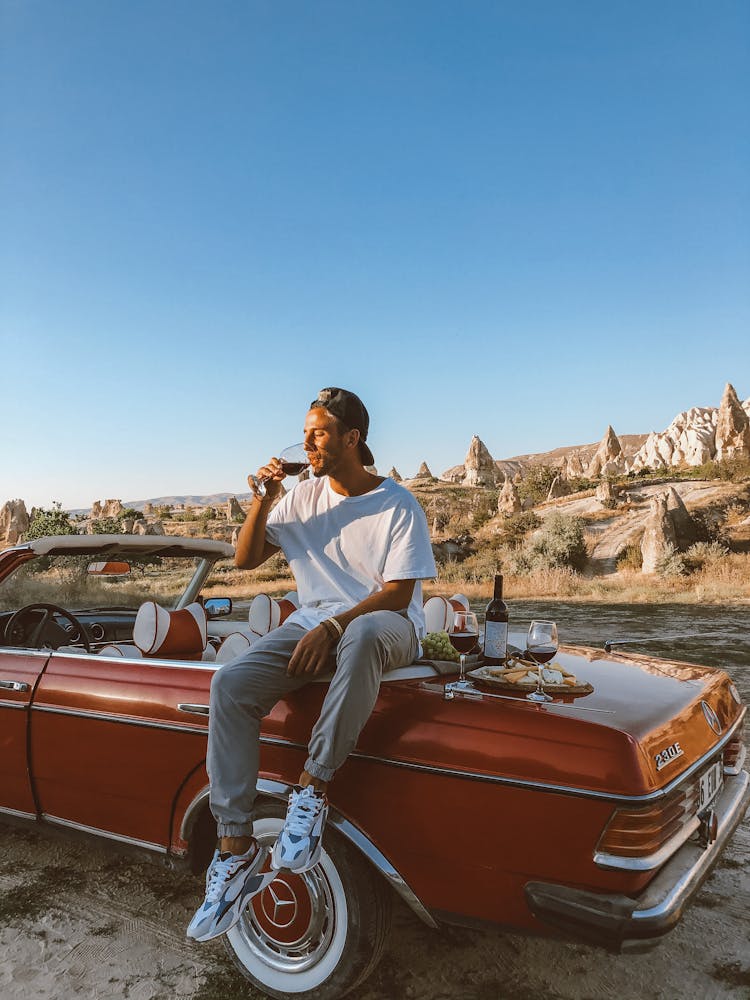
541	647
464	636
293	460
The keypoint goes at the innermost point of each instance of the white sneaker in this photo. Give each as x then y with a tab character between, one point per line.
231	881
298	847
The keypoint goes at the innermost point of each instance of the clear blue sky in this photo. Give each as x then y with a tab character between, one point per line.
521	220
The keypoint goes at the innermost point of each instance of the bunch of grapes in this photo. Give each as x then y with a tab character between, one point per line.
437	646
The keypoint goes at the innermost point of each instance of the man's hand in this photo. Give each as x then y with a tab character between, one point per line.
271	476
312	654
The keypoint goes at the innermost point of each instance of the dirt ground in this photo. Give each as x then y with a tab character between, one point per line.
78	919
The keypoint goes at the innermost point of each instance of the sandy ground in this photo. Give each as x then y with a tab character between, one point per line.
78	919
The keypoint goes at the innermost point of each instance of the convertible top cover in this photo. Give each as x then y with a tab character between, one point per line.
137	545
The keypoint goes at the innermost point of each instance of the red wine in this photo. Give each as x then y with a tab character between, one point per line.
496	627
293	468
541	654
463	642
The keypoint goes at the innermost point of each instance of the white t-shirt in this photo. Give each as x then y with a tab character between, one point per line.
342	549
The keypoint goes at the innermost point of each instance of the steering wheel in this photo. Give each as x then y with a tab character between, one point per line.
47	611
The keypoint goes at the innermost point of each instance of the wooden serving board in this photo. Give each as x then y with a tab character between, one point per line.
492	676
450	667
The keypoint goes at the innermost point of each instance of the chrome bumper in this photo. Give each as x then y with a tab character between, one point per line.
621	923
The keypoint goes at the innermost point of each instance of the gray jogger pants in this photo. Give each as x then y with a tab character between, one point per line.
245	690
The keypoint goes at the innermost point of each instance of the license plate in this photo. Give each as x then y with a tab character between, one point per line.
710	783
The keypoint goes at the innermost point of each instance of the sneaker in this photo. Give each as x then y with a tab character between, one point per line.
298	846
231	881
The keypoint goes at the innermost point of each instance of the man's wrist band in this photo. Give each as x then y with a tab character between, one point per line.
333	628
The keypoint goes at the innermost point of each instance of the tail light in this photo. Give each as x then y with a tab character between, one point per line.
735	751
645	835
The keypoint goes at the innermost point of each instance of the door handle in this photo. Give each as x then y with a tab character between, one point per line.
193	709
14	686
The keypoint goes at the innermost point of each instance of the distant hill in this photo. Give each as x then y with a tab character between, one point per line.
192	500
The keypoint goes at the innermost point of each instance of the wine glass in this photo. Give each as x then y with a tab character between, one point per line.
294	460
464	635
541	646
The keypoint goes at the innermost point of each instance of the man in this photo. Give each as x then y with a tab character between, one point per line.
358	546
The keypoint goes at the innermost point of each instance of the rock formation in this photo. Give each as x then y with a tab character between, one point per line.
14	521
142	527
508	501
607	493
235	536
424	472
127	525
148	510
394	475
732	427
234	511
558	488
96	510
659	535
479	465
609	459
111	508
689	440
685	528
572	466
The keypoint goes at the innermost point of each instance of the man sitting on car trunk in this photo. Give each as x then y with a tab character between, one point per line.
358	545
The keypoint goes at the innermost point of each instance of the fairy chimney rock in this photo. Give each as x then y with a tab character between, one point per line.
112	508
558	488
684	526
14	521
609	459
126	525
607	493
394	475
659	536
732	427
508	501
572	466
235	536
96	510
234	510
479	465
424	472
148	510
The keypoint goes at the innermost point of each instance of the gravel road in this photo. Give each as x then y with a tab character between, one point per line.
78	919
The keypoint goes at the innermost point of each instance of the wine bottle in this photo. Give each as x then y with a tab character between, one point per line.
496	628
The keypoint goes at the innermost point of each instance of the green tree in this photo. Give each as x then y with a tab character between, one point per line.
50	521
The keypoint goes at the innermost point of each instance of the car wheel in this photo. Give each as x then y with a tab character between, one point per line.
313	936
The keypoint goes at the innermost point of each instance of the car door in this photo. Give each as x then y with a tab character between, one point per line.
113	740
19	672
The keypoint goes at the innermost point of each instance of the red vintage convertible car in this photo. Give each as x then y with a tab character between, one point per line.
593	816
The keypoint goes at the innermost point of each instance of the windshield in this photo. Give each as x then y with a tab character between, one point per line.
72	581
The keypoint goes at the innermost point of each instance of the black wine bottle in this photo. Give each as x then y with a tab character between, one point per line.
496	628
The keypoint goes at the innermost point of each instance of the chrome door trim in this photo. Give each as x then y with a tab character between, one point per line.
20	686
280	791
192	709
16	651
494	779
17	812
23	705
108	834
118	719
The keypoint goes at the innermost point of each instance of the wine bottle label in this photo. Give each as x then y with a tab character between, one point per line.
496	640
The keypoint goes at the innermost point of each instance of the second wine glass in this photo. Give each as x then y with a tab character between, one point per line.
541	646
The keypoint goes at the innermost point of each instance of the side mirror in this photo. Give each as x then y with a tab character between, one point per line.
108	569
217	607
